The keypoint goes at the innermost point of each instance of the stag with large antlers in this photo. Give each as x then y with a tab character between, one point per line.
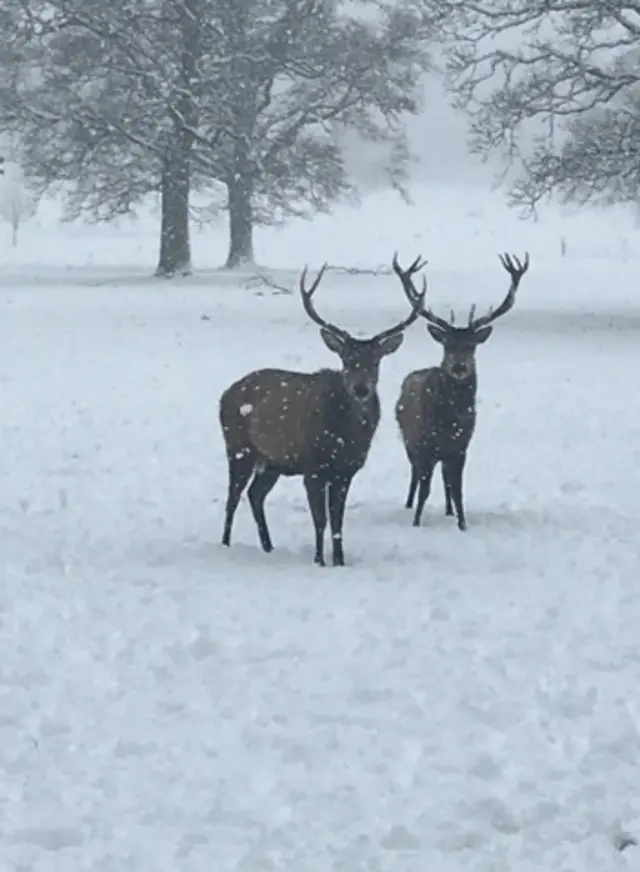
436	410
318	425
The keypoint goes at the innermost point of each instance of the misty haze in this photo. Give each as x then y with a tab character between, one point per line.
320	436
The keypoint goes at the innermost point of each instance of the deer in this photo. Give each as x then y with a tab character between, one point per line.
436	409
317	425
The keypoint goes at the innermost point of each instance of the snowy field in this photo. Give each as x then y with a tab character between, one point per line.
449	701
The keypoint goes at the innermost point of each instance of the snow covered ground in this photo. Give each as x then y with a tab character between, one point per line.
448	702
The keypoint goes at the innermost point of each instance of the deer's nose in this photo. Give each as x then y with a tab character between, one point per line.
459	369
361	391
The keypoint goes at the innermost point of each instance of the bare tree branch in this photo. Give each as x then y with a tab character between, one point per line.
548	83
247	94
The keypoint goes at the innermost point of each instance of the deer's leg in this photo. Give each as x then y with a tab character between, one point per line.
338	490
455	472
413	486
261	486
448	509
316	488
240	469
425	474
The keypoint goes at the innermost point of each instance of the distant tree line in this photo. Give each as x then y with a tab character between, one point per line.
114	101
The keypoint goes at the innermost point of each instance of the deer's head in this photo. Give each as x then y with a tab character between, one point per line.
360	357
460	342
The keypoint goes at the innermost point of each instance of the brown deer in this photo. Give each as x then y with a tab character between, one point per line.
318	425
436	410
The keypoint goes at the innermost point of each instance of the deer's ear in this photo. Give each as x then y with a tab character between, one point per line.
334	343
482	335
390	344
437	333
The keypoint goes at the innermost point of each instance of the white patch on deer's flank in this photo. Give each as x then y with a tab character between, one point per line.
246	409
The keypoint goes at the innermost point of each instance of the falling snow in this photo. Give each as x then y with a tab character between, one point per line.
449	701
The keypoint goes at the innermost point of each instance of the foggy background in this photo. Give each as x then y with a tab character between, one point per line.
438	142
438	138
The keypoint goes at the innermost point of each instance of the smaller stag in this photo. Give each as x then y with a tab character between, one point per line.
318	425
436	410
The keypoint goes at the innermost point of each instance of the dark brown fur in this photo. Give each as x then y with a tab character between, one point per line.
436	410
323	429
317	425
437	418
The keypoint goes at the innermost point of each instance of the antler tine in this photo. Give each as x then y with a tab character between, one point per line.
308	293
472	312
436	320
520	267
309	307
405	276
516	269
415	267
417	309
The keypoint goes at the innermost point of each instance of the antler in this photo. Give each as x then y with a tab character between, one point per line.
516	269
417	308
406	277
310	309
417	302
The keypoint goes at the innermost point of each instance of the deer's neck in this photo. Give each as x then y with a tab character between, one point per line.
458	397
365	413
346	428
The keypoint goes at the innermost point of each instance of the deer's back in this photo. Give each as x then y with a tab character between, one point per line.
296	422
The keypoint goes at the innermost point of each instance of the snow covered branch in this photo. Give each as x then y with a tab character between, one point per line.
564	77
118	101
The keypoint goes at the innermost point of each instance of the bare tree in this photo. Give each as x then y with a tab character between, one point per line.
122	100
299	71
104	100
555	87
18	200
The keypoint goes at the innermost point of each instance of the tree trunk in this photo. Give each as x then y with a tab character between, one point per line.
15	226
240	222
175	247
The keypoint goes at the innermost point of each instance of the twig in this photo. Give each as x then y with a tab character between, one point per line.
261	279
361	271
